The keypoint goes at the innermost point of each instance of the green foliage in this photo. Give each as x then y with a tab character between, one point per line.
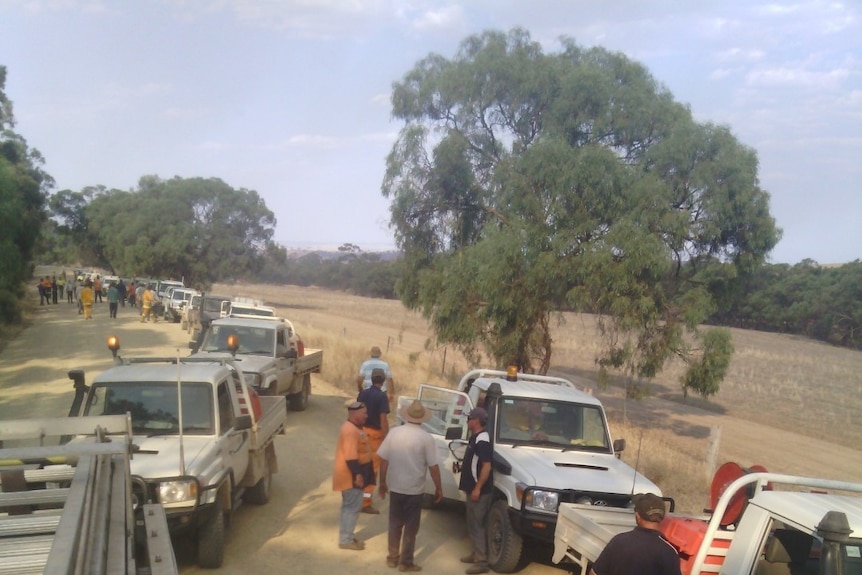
523	183
198	229
353	270
823	303
23	191
707	370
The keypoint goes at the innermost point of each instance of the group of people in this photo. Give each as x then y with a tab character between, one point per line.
87	291
399	459
51	288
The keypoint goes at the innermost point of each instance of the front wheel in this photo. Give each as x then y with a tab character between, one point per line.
505	546
211	539
299	400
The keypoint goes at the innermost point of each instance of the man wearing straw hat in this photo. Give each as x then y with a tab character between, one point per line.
406	455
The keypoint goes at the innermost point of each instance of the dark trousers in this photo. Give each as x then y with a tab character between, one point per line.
405	511
112	309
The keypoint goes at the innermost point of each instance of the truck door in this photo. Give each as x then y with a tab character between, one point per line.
449	409
283	370
233	444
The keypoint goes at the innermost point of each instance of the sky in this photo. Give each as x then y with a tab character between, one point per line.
290	98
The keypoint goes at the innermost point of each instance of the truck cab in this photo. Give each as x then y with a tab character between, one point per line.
551	445
199	445
178	299
272	357
760	523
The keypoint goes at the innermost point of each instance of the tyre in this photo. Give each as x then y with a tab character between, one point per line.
299	401
211	539
504	545
260	492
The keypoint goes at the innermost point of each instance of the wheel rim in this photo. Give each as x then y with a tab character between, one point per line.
495	538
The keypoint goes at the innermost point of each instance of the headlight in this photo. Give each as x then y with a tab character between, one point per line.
252	380
181	492
546	501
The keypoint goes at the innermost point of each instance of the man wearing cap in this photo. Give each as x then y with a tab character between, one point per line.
376	427
363	380
351	472
477	485
406	455
642	551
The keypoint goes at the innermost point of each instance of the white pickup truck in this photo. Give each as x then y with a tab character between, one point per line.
202	441
762	524
551	445
270	353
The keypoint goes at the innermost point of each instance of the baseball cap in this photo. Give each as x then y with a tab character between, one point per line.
378	375
649	506
478	413
355	405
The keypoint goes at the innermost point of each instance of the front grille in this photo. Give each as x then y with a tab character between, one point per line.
597	499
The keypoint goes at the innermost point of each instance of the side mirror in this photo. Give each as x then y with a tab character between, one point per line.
453	433
619	446
243	422
290	354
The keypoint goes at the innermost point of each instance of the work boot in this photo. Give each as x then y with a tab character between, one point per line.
468	558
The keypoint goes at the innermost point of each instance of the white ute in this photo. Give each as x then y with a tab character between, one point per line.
570	457
198	452
761	523
270	353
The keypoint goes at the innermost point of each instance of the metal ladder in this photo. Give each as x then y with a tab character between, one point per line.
68	509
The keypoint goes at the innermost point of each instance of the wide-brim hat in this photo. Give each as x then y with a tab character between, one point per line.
415	412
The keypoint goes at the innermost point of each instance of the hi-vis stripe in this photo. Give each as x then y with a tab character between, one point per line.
56	460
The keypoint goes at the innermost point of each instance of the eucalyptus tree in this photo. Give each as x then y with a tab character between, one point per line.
199	229
523	183
24	189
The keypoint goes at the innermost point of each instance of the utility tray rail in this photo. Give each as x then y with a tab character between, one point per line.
67	509
582	531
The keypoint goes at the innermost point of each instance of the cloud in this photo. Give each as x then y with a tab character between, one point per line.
442	18
736	54
797	76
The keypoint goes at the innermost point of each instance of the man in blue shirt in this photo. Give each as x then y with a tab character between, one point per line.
376	427
477	484
643	550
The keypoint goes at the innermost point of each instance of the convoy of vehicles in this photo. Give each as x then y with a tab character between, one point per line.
175	301
271	354
761	523
200	317
192	437
202	440
551	445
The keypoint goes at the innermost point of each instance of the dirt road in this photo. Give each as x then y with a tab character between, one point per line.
297	531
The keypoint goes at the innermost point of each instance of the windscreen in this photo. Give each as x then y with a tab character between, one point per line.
154	406
554	423
252	340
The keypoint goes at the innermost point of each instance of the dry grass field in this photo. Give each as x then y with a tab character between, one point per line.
781	386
